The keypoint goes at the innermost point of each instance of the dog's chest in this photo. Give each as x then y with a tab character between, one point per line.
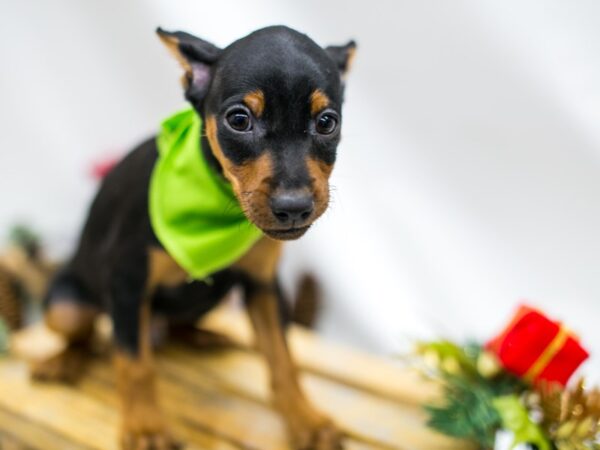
163	270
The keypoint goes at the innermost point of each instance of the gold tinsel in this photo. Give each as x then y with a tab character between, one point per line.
572	416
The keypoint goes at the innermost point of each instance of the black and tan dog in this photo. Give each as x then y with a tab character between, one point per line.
271	109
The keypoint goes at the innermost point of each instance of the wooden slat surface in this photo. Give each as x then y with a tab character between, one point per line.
220	400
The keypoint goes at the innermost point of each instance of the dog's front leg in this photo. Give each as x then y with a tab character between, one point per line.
143	426
309	429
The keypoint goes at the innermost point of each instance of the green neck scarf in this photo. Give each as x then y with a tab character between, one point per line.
193	210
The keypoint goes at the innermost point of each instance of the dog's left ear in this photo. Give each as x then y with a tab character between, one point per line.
342	55
196	56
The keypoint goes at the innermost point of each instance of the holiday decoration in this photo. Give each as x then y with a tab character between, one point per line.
24	274
538	349
11	312
571	416
515	418
511	393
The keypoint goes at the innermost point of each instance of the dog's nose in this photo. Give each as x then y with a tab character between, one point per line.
292	207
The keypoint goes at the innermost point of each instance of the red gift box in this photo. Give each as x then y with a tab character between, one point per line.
538	349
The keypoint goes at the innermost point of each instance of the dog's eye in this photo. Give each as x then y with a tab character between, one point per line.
326	123
239	120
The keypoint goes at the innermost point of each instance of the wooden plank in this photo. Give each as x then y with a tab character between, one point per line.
18	433
192	404
379	375
60	409
191	401
220	400
86	415
366	417
228	395
7	443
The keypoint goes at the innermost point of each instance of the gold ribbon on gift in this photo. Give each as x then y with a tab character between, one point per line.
548	354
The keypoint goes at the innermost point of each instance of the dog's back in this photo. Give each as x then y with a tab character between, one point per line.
117	222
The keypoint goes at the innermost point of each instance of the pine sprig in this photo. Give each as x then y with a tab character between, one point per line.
25	237
567	419
467	411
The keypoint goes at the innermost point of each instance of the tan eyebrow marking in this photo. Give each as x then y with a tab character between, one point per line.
242	176
318	101
255	100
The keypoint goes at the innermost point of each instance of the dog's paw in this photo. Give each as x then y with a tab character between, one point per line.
308	428
144	429
325	436
157	440
66	367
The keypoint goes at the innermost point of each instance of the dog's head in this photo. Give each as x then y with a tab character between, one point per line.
271	104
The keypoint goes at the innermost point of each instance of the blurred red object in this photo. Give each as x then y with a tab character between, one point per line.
103	167
538	349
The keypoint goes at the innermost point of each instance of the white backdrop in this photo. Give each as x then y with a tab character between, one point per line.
468	176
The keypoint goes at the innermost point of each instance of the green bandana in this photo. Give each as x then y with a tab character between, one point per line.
193	211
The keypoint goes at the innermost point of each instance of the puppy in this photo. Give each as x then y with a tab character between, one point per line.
204	207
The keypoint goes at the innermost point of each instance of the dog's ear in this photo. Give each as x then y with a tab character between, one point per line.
196	56
342	56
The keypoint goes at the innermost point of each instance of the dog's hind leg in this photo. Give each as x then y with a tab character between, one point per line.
70	314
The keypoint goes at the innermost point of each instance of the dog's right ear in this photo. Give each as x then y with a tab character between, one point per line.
196	56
